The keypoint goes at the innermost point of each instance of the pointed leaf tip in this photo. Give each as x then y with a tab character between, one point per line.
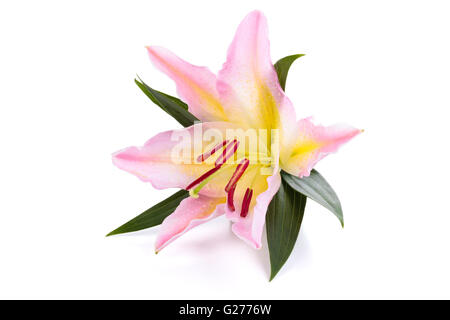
171	105
282	67
153	216
318	189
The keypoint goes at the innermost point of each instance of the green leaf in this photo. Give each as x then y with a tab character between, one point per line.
282	67
153	216
283	220
173	106
318	189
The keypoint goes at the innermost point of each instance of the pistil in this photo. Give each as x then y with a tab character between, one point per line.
203	177
194	191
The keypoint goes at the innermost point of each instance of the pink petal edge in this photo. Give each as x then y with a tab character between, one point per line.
195	85
329	139
190	213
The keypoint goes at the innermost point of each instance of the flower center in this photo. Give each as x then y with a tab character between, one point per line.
229	150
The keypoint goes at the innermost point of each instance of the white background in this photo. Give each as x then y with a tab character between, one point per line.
68	100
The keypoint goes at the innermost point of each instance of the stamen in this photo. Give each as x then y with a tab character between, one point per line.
206	155
230	195
240	169
229	149
202	177
227	154
195	191
246	202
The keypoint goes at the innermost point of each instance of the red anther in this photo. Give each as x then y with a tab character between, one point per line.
206	155
227	152
203	177
240	169
246	202
230	195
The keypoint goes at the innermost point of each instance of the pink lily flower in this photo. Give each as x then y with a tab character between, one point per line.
223	177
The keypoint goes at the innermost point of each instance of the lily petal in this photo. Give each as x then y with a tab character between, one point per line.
250	228
195	85
248	84
264	182
189	214
158	163
313	143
